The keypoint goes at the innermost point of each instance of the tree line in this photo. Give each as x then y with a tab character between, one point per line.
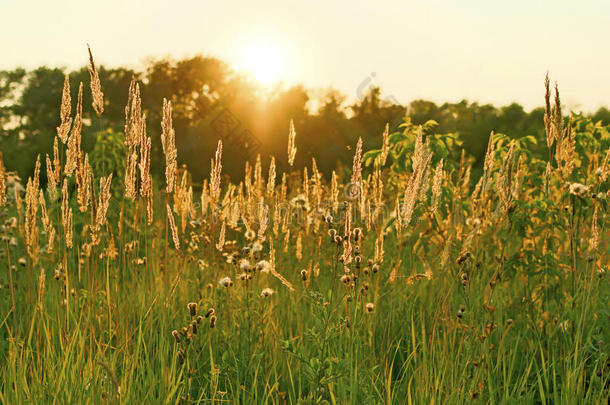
210	101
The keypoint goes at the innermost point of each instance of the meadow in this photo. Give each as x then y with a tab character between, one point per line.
403	279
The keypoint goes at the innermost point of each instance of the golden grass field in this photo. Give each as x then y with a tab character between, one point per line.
403	279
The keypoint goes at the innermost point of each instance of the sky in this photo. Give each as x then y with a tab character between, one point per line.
440	50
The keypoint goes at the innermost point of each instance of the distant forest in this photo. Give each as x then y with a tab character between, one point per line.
210	101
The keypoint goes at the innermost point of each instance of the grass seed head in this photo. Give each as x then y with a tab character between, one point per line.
192	307
226	282
267	292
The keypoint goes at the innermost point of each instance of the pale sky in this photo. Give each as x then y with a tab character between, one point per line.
440	50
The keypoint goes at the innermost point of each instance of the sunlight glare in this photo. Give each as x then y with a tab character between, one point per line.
265	62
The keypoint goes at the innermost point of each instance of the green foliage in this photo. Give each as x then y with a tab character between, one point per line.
108	154
402	143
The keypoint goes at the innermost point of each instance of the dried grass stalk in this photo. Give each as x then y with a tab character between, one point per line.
292	147
96	87
168	141
64	113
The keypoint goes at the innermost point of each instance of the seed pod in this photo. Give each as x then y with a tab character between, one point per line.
176	335
332	233
199	319
194	327
370	307
192	307
213	321
463	257
375	268
304	275
209	312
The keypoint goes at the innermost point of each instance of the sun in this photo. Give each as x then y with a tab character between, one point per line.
264	61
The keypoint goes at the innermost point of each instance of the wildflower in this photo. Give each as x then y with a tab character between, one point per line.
578	189
357	233
176	335
244	265
199	319
263	266
345	278
304	275
209	312
257	247
267	292
249	235
300	201
192	307
375	268
244	277
473	222
370	307
22	261
226	282
194	326
213	321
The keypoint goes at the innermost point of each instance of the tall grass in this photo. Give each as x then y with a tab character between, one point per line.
410	283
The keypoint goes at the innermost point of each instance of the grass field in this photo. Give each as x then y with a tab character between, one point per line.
404	279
